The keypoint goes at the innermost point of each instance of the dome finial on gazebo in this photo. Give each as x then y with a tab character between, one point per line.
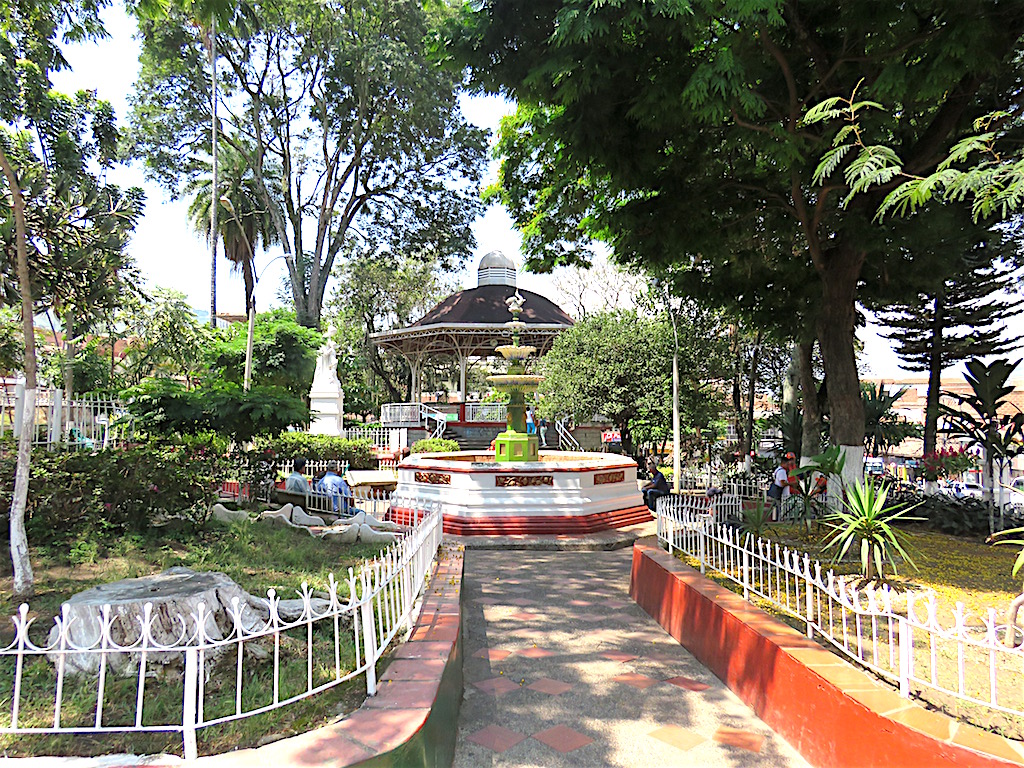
496	269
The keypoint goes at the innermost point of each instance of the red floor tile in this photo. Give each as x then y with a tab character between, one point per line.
680	738
492	654
635	680
496	686
535	653
617	656
525	616
523	601
591	617
752	742
688	683
562	738
580	603
496	738
487	600
547	685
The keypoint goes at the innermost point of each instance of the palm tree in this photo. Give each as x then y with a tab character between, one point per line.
244	224
883	428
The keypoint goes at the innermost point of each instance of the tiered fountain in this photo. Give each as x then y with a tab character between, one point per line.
518	489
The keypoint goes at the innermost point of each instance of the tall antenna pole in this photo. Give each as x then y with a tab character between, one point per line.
215	196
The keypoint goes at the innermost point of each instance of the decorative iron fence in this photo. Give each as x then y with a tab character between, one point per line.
898	636
366	610
88	422
487	412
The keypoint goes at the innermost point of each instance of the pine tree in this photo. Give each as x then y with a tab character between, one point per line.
963	317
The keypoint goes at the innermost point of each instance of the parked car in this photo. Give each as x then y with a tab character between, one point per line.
967	489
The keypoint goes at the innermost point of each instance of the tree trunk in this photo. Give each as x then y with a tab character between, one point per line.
810	439
737	404
836	317
70	352
23	578
931	413
791	382
755	359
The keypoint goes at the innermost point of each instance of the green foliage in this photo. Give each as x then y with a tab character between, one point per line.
283	353
619	364
107	493
868	521
162	406
966	517
883	427
434	445
756	519
399	176
165	338
287	445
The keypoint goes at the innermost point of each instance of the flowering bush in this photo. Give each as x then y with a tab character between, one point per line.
946	462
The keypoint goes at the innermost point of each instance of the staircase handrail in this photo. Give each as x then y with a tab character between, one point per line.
565	437
427	413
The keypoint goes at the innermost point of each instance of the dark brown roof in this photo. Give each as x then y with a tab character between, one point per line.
486	304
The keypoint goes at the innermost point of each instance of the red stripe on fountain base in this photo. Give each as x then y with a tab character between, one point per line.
570	525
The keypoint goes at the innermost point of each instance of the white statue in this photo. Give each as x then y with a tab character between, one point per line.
515	303
326	400
325	377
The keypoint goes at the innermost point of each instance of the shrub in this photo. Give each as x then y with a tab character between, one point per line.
358	453
957	517
946	462
434	445
111	492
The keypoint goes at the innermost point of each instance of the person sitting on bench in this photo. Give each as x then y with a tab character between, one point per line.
332	484
656	487
296	482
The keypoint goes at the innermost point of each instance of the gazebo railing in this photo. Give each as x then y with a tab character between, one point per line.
413	415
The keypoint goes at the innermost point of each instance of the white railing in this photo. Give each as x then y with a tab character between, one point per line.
487	412
89	422
379	437
397	415
566	442
368	609
400	414
897	636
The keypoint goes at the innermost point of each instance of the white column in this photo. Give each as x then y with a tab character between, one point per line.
463	394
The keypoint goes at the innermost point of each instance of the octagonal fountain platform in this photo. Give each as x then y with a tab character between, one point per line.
561	493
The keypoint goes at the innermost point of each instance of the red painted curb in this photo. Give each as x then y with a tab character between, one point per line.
833	714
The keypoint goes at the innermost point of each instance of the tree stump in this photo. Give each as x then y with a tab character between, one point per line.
149	614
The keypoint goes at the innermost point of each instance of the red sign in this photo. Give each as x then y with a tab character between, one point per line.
611	436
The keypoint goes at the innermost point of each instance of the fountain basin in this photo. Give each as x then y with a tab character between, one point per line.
562	493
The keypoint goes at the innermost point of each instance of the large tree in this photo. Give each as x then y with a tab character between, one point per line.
350	129
962	317
675	131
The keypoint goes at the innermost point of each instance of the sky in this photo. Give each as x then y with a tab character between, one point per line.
170	255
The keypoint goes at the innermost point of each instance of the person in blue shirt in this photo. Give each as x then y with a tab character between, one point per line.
332	484
296	482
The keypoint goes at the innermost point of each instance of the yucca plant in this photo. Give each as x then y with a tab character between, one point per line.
865	518
756	519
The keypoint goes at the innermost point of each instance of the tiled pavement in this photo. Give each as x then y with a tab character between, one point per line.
563	669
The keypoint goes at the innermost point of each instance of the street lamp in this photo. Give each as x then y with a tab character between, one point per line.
676	463
247	378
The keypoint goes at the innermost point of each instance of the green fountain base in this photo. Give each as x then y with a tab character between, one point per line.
512	446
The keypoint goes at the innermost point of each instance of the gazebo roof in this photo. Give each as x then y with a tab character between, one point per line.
471	323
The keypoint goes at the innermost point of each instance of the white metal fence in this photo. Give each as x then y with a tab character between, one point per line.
367	611
487	412
90	422
897	636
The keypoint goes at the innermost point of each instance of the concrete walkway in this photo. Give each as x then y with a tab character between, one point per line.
563	669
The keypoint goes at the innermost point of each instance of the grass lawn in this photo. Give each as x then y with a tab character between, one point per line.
258	557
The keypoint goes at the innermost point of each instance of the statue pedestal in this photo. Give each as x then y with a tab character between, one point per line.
326	400
516	446
327	411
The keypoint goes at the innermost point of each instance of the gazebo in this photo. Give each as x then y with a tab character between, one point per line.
471	323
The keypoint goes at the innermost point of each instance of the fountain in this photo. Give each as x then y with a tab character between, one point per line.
519	489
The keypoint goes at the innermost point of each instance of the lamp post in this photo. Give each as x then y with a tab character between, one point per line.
247	378
676	462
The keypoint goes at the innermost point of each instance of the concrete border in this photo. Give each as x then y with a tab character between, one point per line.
833	713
